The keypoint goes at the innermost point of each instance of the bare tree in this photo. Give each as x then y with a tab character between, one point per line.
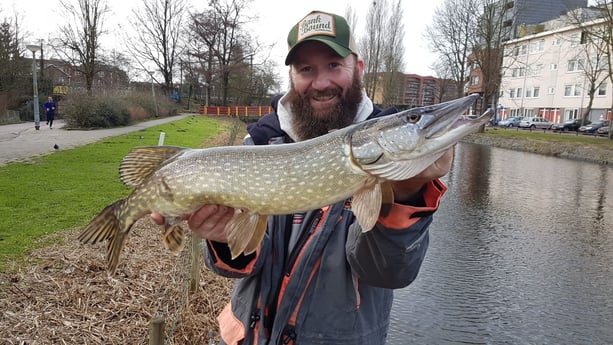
371	46
224	47
450	35
487	47
383	50
392	54
79	42
351	17
158	26
14	72
596	25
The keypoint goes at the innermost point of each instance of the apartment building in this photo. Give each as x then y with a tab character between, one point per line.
548	74
528	12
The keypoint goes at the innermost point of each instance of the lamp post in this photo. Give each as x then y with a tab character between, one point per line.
155	103
34	48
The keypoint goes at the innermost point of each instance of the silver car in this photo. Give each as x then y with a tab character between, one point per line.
535	122
510	122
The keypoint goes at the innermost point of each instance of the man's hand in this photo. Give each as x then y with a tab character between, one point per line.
208	222
407	189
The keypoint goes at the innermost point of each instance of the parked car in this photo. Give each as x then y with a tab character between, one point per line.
603	131
593	127
568	125
510	122
535	122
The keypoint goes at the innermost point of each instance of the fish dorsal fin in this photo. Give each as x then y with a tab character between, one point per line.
366	205
241	229
141	162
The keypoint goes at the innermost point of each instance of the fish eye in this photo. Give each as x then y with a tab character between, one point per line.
413	118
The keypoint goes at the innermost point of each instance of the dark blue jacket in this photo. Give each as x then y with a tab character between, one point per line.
335	285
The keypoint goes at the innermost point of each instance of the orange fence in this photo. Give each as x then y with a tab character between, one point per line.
237	110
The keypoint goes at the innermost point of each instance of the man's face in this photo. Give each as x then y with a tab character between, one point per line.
326	89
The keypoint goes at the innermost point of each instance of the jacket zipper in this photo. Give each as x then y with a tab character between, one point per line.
304	236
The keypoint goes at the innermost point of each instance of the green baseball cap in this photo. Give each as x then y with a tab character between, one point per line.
327	28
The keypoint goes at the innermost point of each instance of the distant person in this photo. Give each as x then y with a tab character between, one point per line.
50	107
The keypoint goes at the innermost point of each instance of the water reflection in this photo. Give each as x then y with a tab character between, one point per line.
521	253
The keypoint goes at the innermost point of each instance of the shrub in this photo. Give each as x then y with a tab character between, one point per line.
83	111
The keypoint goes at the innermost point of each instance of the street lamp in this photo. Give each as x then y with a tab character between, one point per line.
34	48
155	103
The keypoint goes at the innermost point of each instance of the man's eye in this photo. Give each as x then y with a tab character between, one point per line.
334	64
305	69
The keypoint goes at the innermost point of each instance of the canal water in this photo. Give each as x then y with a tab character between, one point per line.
521	252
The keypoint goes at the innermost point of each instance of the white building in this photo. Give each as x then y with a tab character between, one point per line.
547	74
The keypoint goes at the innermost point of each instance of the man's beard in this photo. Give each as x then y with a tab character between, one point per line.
309	124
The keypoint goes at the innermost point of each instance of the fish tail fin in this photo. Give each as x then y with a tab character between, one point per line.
106	226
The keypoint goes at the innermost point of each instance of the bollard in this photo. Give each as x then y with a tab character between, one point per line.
156	331
161	140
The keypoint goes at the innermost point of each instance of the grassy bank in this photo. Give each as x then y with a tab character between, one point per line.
564	145
66	189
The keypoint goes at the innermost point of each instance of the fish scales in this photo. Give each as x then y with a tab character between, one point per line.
280	179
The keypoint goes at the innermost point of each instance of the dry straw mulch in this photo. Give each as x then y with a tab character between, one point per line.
63	295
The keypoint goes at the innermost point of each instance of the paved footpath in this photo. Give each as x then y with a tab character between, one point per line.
22	141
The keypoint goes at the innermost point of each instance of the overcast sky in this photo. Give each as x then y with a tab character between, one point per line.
276	17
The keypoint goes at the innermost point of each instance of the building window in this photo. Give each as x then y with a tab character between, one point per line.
557	41
474	80
602	90
533	92
551	90
572	90
518	71
512	93
554	66
575	65
535	69
537	46
570	114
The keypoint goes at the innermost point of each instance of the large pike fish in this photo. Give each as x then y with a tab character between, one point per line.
258	181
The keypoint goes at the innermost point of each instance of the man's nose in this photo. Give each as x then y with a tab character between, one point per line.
322	81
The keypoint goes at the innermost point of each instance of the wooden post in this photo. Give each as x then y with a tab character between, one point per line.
156	331
195	270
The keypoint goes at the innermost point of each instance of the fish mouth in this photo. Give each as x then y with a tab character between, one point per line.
440	119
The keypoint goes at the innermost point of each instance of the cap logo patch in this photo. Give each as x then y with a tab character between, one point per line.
316	24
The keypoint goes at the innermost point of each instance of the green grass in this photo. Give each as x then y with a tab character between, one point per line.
64	190
549	136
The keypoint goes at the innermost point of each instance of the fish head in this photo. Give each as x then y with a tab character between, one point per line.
400	145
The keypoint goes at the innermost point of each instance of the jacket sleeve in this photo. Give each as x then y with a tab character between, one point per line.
391	254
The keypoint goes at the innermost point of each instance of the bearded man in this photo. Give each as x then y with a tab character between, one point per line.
317	278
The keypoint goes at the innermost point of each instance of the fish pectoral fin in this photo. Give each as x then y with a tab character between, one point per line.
366	205
141	162
244	229
258	235
174	238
